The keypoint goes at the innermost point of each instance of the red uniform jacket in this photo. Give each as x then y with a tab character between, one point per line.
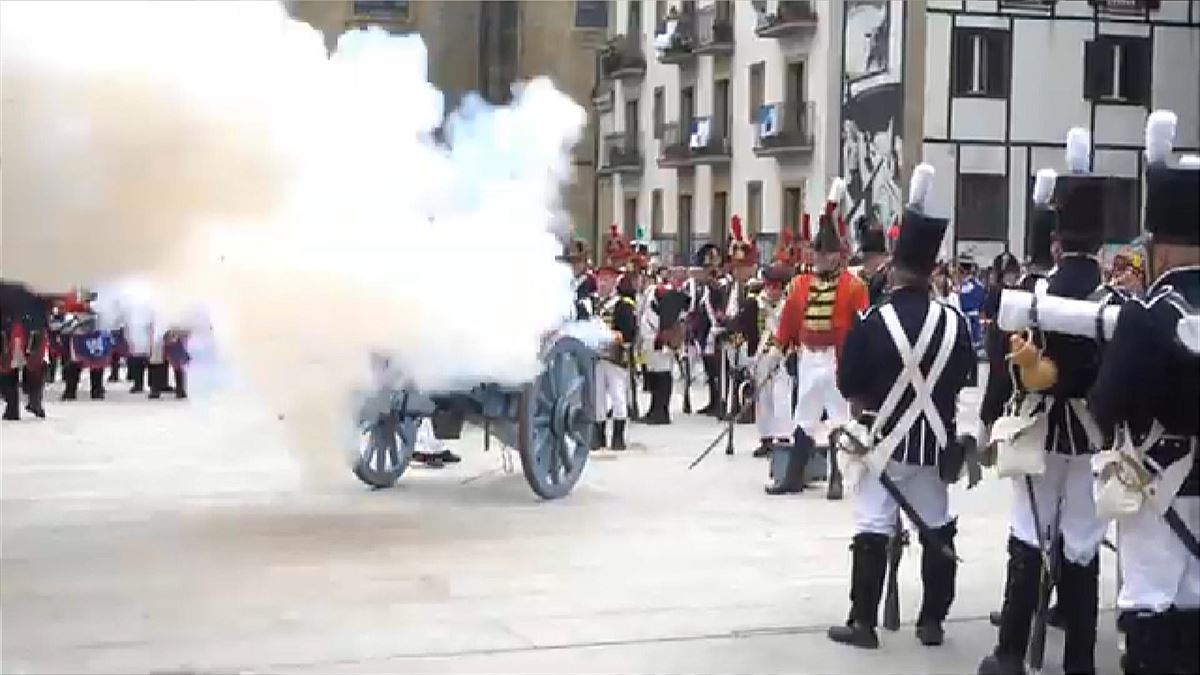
851	298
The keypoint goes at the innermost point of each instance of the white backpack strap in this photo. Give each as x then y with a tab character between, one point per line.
892	322
911	376
1079	407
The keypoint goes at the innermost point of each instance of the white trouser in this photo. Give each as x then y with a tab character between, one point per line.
1157	569
772	406
612	391
426	440
875	510
818	393
1066	486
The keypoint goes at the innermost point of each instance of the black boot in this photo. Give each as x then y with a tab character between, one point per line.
1078	602
868	570
156	379
180	382
114	375
660	397
938	572
712	376
763	449
1020	602
96	379
834	490
71	375
11	394
787	465
598	438
1185	625
35	389
1150	643
136	369
618	437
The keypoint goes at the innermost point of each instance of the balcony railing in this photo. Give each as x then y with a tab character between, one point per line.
784	128
621	153
703	142
621	59
791	18
675	39
715	33
602	96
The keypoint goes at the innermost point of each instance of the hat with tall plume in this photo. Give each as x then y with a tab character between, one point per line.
1172	192
1042	222
1079	198
921	235
741	250
831	228
616	251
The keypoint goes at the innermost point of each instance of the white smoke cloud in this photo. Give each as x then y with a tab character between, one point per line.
213	152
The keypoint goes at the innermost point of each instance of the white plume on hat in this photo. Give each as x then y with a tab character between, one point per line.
1079	149
1043	186
1160	135
920	185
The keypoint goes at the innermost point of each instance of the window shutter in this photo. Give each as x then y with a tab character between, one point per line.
1097	68
962	63
1136	71
998	63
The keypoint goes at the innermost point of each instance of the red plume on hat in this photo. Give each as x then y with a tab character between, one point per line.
784	252
741	251
805	228
616	250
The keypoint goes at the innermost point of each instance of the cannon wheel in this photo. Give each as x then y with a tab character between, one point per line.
385	447
556	419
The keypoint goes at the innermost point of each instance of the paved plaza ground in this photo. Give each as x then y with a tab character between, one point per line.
169	536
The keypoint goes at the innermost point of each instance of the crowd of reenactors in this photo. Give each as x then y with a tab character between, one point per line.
45	337
852	344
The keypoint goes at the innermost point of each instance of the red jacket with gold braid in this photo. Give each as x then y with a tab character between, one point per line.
826	325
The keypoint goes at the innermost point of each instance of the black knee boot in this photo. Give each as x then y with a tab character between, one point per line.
938	573
598	439
114	375
136	369
868	570
1078	602
1020	602
156	376
787	465
35	387
1185	624
96	380
71	375
660	397
618	436
1149	643
712	375
180	381
11	394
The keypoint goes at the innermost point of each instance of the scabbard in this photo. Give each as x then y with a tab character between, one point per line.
913	517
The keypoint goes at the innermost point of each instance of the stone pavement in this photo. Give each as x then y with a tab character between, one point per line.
169	536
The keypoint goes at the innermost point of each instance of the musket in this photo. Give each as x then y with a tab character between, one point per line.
634	413
685	369
1049	553
728	429
891	601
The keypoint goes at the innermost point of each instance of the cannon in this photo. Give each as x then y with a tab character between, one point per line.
548	421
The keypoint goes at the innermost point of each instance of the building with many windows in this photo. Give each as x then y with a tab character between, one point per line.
487	46
1006	79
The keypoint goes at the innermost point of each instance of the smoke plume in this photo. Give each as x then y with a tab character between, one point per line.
215	152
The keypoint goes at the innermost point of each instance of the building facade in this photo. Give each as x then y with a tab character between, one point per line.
686	89
1006	79
485	47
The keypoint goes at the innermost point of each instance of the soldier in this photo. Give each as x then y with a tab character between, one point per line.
873	248
619	314
23	348
583	282
85	346
709	294
1148	385
662	335
1064	490
971	296
820	309
741	323
903	366
168	355
773	409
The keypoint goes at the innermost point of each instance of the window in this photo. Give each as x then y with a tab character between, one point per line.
656	213
1117	70
1121	217
660	13
631	118
796	85
660	112
757	90
720	216
634	20
721	108
382	10
1028	4
793	207
687	110
724	10
981	207
1126	7
753	208
631	217
981	62
591	14
685	218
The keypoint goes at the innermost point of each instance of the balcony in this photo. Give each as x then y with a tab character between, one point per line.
602	96
621	154
675	39
621	59
715	34
784	129
703	144
791	18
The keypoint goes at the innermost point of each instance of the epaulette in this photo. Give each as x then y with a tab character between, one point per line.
628	300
